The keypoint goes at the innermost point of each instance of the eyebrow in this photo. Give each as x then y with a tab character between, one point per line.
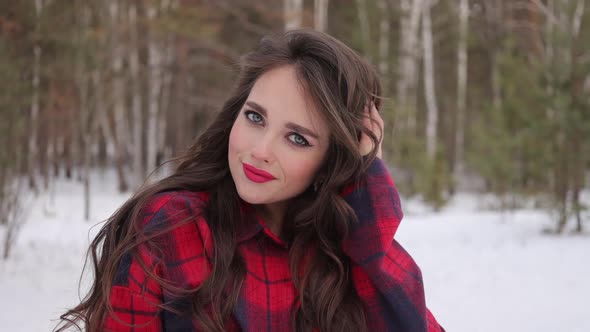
293	126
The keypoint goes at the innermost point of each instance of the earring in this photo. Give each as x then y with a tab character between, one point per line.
316	185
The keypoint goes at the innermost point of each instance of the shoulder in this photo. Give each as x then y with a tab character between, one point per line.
175	223
165	208
172	235
163	199
150	219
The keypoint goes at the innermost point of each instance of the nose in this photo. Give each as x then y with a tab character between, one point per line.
262	149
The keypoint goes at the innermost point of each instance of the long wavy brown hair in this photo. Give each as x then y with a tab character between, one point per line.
341	84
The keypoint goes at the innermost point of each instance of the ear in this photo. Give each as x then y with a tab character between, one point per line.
320	178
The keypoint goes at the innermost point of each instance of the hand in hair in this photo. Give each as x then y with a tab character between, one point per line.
375	123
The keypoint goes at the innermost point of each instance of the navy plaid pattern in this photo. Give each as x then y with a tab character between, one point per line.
384	275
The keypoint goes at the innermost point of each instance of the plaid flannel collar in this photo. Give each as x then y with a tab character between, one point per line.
253	225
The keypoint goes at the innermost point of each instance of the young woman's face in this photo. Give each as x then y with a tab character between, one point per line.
278	141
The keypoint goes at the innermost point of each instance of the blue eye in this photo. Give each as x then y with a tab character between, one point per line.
299	140
253	116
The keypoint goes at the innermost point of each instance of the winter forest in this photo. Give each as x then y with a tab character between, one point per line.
487	111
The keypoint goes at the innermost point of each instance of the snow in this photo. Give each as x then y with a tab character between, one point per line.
483	270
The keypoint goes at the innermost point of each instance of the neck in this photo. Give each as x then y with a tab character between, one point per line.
273	215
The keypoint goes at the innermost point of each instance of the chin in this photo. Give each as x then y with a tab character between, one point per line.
253	196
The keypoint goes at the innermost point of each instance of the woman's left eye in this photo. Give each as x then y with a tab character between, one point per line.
298	139
253	116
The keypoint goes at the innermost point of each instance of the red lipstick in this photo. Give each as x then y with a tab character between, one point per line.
257	175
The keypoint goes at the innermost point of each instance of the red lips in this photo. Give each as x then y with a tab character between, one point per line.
257	175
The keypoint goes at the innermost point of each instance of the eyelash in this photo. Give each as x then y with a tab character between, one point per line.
305	144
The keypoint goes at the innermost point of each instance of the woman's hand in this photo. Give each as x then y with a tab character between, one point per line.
375	123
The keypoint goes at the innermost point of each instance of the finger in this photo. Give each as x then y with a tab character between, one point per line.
379	130
366	145
377	123
376	115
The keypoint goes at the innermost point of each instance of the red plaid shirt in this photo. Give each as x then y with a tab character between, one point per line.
384	275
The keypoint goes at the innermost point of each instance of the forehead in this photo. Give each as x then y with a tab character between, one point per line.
281	93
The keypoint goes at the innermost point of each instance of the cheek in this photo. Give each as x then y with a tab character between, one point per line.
302	170
236	139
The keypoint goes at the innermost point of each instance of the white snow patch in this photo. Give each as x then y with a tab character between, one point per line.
483	270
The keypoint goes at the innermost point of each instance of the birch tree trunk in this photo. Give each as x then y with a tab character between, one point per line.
164	151
408	60
155	57
549	58
494	11
85	125
568	145
429	82
549	31
459	164
136	109
293	13
118	93
102	114
384	31
577	143
364	27
496	82
34	119
320	14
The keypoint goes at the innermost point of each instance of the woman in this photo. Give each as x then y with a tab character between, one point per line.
280	216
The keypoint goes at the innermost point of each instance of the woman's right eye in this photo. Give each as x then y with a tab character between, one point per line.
253	116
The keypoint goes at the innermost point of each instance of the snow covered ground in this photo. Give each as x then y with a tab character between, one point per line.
483	270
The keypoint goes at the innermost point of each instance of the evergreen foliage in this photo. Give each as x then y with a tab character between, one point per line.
526	134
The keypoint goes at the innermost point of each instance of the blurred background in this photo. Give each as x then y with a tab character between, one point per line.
487	109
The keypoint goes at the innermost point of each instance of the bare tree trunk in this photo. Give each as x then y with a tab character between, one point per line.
87	141
67	154
408	60
577	178
34	119
85	125
57	149
43	146
293	11
494	13
549	28
320	14
561	190
12	209
136	109
164	153
384	31
577	19
118	93
155	57
429	82
102	116
459	164
568	146
364	27
51	164
496	82
576	144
